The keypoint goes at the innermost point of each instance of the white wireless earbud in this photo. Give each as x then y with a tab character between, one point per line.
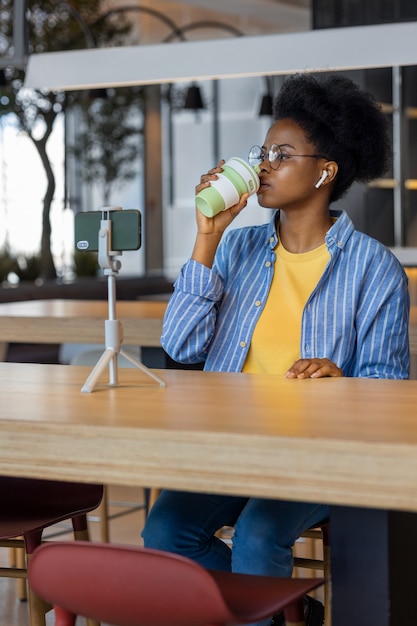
322	179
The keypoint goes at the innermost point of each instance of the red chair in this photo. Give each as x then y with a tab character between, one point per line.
321	534
28	506
144	587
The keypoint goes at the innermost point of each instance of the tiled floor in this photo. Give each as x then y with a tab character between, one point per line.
124	529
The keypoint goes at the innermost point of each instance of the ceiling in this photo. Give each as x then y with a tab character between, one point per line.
270	16
249	17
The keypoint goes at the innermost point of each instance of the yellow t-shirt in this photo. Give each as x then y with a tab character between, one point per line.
275	343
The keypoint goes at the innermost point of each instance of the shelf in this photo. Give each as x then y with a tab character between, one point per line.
387	108
383	183
407	256
391	183
411	113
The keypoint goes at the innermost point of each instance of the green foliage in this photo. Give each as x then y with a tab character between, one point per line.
85	263
72	24
26	267
8	264
109	140
29	267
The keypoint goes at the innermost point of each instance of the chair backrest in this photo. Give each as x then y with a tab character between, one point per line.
127	586
29	504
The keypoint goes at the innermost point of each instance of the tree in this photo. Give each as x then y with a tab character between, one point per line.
53	25
108	140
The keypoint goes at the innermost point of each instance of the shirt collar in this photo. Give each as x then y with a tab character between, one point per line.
337	235
272	231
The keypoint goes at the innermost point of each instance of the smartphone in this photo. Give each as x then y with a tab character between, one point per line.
126	230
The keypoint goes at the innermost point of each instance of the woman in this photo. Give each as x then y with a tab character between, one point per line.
303	296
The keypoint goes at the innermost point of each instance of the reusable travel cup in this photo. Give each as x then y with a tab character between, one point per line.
237	178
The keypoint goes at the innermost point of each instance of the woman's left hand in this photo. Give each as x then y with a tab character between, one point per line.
313	368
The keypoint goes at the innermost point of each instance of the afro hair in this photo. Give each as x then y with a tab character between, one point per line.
342	121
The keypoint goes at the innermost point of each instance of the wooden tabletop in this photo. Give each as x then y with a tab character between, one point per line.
340	441
79	321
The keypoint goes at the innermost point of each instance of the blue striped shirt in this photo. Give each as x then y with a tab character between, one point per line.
357	316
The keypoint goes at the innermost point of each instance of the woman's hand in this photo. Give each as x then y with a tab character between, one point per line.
313	368
210	229
218	223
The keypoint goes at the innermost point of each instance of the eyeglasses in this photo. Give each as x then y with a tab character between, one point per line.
275	156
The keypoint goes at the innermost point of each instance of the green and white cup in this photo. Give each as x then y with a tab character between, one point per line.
237	178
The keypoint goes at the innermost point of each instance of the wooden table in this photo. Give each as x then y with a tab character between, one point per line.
78	321
351	443
82	321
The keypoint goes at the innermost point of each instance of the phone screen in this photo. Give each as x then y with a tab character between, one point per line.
126	230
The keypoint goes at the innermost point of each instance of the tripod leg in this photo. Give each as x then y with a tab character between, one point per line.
143	367
99	368
113	376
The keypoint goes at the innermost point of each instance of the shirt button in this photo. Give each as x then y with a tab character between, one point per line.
243	344
268	264
271	239
258	303
307	349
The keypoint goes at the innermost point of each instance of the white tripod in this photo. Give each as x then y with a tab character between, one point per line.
113	326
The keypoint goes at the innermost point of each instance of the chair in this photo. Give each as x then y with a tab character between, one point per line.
28	506
310	562
320	534
144	587
103	517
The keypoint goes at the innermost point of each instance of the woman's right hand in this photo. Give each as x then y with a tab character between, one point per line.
218	223
210	229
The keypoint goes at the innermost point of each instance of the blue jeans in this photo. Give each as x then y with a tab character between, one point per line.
264	530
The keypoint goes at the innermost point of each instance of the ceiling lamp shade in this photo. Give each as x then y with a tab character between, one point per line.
98	94
193	100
